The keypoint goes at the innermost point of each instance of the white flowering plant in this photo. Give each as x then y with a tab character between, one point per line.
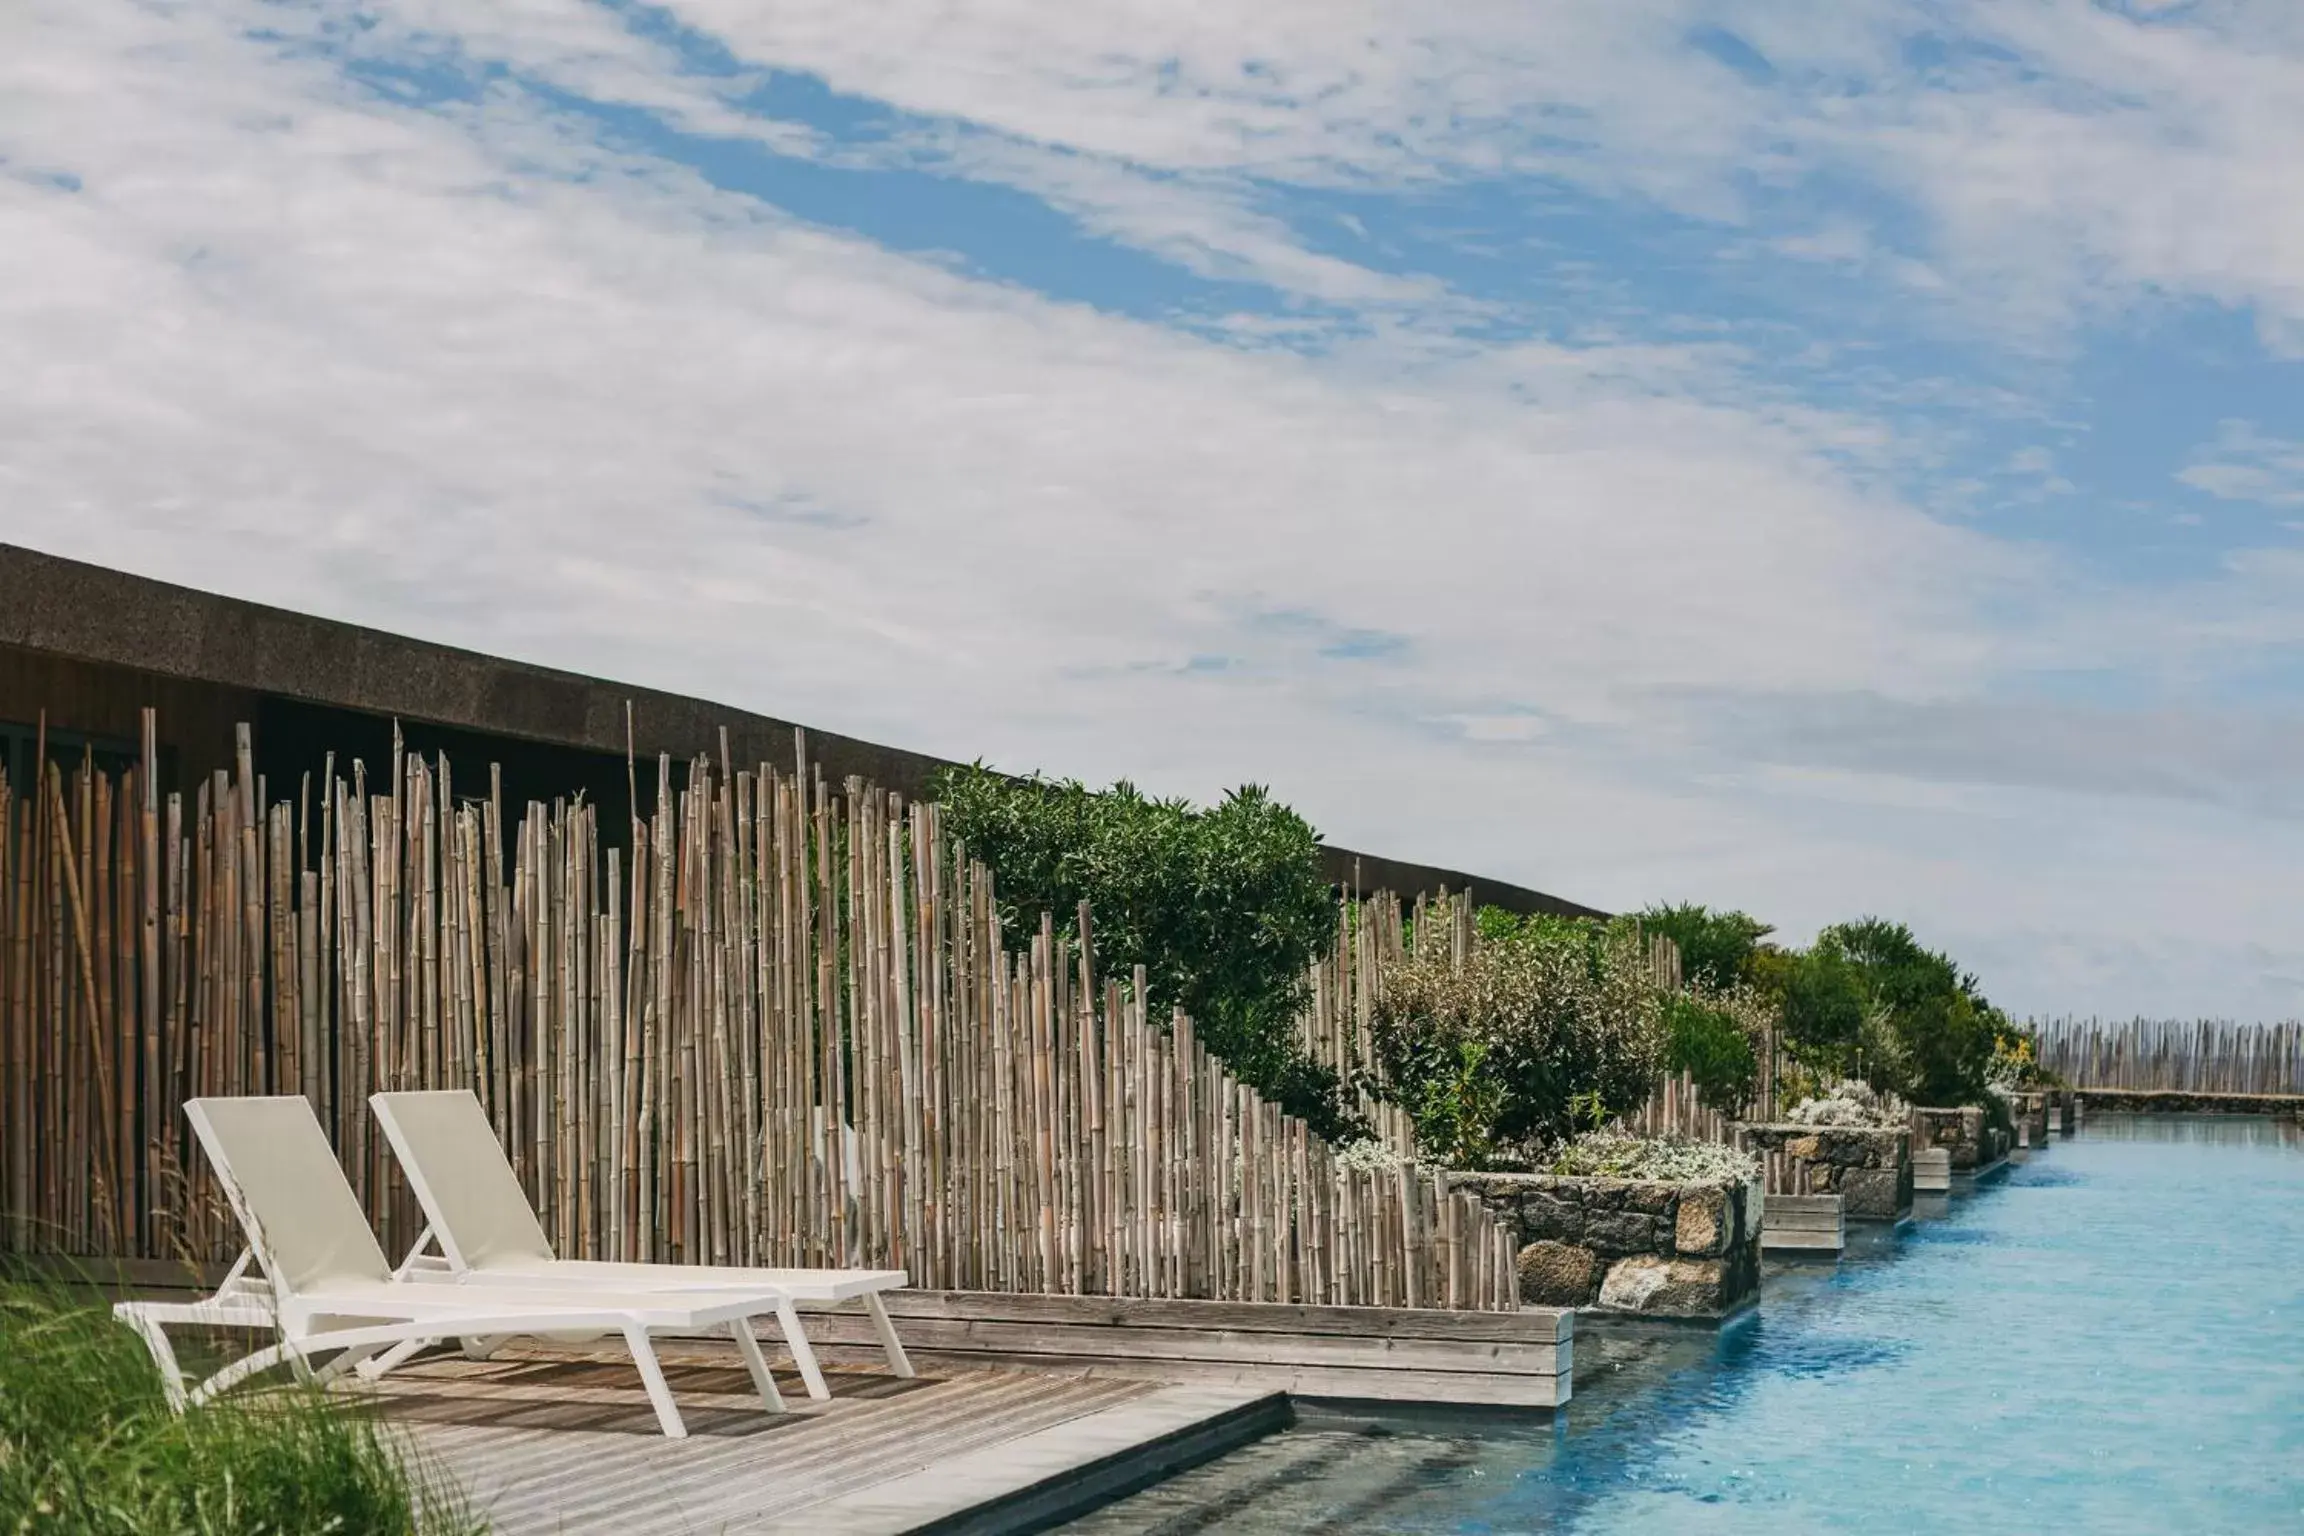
1664	1159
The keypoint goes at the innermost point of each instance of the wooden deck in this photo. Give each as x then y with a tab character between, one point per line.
563	1440
1523	1359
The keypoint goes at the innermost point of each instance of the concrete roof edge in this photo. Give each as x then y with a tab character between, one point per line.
96	613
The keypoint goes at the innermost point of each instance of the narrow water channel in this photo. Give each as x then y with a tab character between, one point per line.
2107	1338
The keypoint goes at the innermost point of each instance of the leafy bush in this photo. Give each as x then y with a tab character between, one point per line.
1825	1007
88	1444
1226	908
1552	1027
2015	1066
1869	1001
1714	1038
1716	948
1667	1159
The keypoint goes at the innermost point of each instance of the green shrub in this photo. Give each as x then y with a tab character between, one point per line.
1226	908
1539	1033
1716	948
1825	1003
1870	1001
1713	1038
2015	1064
88	1445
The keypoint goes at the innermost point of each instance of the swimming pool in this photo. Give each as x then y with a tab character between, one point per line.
2109	1337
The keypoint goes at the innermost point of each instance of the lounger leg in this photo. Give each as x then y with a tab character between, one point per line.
898	1362
355	1358
803	1355
749	1348
392	1359
163	1354
652	1376
239	1371
480	1348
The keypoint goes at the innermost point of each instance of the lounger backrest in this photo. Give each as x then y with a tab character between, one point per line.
461	1177
290	1194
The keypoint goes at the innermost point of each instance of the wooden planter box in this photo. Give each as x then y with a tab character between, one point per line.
1804	1224
1932	1171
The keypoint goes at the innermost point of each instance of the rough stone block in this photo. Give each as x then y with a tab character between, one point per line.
1660	1287
1869	1194
1632	1282
1548	1216
1745	1204
1557	1275
1847	1151
1619	1232
1805	1147
1501	1195
1705	1222
1691	1288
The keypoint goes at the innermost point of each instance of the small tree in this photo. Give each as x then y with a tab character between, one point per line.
1825	1003
1716	948
1225	908
1870	1000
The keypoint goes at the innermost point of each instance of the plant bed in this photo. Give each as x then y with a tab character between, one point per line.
1639	1246
1869	1167
1971	1141
2028	1112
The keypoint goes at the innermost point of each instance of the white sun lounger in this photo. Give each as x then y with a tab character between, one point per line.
327	1286
487	1232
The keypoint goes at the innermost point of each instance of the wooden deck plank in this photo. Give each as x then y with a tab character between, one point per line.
1028	1482
1223	1346
1533	1325
566	1440
1485	1388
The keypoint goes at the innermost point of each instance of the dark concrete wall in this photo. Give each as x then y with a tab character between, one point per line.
107	702
86	641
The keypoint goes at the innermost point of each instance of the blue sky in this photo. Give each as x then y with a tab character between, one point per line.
1818	457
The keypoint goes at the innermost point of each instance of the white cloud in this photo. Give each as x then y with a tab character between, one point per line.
2244	464
469	374
2066	158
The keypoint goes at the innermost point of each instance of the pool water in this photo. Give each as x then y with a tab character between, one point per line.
2108	1337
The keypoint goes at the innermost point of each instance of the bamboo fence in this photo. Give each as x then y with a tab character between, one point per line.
774	1022
2178	1055
1783	1174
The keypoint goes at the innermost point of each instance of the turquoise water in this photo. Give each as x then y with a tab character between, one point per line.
2109	1337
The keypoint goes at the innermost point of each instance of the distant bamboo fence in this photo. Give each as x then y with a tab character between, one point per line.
2188	1056
780	1024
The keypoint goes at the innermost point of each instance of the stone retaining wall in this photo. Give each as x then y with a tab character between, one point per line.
1629	1245
2141	1101
1963	1133
1868	1167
